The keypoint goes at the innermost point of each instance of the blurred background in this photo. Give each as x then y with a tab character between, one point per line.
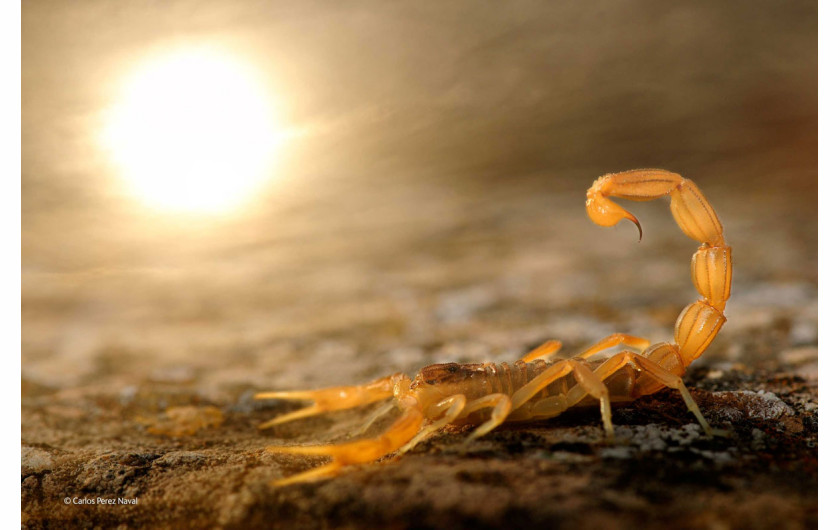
223	197
417	190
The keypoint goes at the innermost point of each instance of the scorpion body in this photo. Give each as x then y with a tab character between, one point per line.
542	385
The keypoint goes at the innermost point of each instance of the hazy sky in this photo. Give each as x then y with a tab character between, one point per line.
377	91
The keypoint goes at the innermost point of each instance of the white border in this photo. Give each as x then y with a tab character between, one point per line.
10	206
829	45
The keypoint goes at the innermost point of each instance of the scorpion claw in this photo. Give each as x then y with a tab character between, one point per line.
327	470
355	452
283	418
321	450
329	399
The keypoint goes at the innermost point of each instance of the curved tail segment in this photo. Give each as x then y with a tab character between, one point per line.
711	265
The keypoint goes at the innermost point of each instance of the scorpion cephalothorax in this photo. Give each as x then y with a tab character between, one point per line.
542	385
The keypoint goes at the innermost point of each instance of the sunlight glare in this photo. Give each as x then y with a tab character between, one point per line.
192	131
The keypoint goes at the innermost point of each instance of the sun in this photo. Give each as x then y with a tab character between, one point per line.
193	131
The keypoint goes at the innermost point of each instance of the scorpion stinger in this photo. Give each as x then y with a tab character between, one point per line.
541	385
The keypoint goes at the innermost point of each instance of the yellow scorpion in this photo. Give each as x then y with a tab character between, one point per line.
538	386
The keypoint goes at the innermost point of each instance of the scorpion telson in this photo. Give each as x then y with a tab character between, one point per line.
542	384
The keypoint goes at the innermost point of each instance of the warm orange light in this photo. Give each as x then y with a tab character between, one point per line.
193	131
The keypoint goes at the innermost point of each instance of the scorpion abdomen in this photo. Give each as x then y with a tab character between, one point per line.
478	380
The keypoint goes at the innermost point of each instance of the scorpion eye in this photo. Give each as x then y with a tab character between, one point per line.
452	368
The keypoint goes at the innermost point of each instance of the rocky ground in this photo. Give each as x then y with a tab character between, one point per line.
138	383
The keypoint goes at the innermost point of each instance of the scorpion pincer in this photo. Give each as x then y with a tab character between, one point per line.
542	385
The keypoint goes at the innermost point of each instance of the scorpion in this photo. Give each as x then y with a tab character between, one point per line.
541	384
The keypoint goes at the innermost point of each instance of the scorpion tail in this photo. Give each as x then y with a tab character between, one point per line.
711	266
357	452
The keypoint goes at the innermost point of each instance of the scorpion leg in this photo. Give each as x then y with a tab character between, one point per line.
592	385
614	340
587	381
335	398
661	375
550	375
501	409
357	452
545	350
450	407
